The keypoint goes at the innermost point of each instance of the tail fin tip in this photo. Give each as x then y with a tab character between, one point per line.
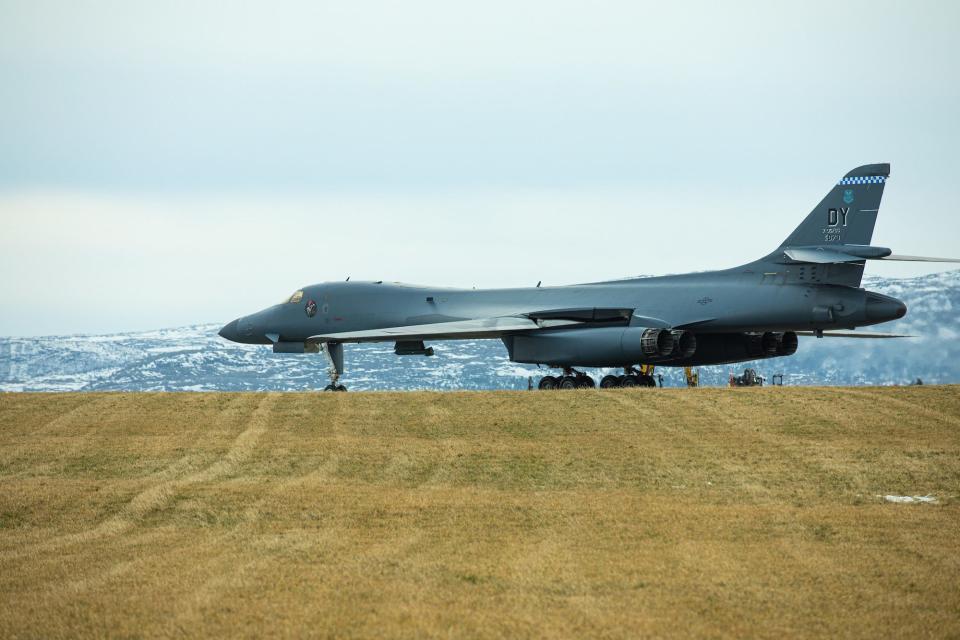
881	170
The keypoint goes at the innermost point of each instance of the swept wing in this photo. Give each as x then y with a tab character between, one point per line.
494	327
457	329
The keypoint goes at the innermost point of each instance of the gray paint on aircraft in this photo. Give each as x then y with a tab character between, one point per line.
810	283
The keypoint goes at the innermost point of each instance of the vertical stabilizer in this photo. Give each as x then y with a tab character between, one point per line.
845	216
848	213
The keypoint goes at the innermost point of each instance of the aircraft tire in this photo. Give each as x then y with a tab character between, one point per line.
585	382
340	387
609	382
330	387
647	381
630	381
568	382
547	383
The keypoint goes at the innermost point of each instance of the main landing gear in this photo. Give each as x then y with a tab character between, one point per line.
571	379
631	378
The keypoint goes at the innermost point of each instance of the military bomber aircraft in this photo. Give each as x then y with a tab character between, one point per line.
809	285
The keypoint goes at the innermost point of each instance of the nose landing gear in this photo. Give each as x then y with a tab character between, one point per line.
334	385
334	352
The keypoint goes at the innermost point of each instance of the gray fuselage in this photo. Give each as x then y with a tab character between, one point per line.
722	302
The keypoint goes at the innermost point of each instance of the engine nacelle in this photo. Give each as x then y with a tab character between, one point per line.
597	347
723	348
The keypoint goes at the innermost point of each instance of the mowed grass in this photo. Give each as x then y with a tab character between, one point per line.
621	513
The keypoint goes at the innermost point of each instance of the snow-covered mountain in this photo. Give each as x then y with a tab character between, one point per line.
195	358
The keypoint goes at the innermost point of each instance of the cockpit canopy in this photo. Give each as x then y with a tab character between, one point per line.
296	297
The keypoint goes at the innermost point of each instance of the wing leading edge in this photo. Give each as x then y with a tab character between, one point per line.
496	327
457	329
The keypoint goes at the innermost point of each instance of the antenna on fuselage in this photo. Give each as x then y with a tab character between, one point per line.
348	279
539	282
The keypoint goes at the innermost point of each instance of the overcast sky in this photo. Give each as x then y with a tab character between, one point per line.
167	163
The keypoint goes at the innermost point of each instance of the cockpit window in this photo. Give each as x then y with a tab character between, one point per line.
296	297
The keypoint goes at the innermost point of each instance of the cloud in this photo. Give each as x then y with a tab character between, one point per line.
93	262
174	162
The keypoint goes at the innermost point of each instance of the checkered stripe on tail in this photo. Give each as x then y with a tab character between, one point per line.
863	180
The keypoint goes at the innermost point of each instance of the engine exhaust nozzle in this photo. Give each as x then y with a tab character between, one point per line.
656	343
684	344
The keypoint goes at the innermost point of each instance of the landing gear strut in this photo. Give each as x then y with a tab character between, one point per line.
334	351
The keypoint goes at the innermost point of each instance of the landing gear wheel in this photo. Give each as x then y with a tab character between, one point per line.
340	387
568	382
630	381
330	387
647	381
585	382
547	383
609	382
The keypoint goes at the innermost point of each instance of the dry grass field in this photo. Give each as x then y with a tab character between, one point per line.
622	513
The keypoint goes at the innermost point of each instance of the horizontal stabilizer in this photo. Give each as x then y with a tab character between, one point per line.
851	253
853	334
919	259
820	256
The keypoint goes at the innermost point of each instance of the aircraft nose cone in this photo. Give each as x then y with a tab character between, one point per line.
230	332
